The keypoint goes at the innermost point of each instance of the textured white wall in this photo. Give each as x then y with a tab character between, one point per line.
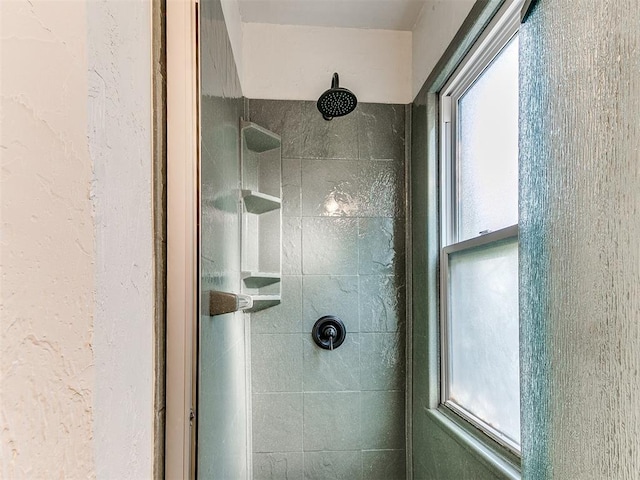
119	128
76	250
435	27
47	251
285	62
235	27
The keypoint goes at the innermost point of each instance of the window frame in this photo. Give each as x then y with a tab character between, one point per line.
464	77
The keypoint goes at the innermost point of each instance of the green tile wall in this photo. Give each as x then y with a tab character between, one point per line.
319	414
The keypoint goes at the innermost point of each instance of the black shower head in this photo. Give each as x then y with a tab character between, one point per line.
336	102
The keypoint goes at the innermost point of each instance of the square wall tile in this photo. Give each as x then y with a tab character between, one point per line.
382	431
332	421
330	295
330	188
378	249
330	246
337	138
333	465
382	361
291	245
277	422
268	171
384	464
291	187
381	131
332	370
381	188
278	466
283	117
285	317
382	300
276	363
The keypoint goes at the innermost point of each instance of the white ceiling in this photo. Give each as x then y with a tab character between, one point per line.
376	14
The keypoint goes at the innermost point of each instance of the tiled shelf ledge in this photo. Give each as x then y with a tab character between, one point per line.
258	203
260	302
259	279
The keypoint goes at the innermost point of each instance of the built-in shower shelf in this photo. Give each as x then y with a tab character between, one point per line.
260	302
257	202
259	279
259	139
261	236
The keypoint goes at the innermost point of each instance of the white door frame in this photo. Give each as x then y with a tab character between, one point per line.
182	236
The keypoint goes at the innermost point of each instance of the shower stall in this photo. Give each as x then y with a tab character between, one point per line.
304	219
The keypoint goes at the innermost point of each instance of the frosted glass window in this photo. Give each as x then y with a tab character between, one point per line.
480	345
488	148
483	335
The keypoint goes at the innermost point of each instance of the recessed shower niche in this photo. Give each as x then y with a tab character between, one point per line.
261	165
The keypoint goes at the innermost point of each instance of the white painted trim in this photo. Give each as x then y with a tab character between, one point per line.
181	234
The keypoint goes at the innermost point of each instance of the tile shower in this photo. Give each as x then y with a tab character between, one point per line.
319	414
313	413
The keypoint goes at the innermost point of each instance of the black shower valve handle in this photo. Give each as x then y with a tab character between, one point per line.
329	332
